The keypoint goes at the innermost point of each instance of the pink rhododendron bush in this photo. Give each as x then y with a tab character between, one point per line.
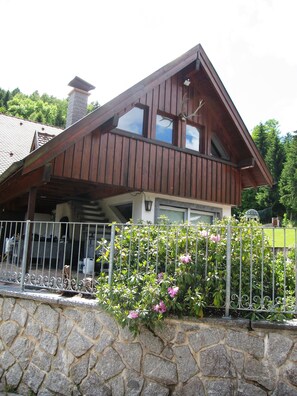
168	269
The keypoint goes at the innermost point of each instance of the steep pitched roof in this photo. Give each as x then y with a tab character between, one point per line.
16	136
104	113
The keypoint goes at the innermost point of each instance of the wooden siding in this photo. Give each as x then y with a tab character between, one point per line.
142	164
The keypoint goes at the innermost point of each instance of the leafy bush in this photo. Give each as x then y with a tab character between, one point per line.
165	269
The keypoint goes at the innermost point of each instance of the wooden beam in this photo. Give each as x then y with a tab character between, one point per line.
31	203
20	184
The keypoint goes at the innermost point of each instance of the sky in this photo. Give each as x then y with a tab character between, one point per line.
113	44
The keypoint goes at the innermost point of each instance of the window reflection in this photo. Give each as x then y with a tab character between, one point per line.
164	129
192	138
132	121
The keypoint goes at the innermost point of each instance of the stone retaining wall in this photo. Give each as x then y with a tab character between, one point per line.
51	345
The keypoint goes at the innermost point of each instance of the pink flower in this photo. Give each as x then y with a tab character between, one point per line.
215	238
204	233
185	259
160	308
172	291
133	315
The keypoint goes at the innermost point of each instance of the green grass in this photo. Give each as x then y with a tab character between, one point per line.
281	237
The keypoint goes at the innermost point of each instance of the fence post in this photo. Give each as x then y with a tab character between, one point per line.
228	272
25	254
111	254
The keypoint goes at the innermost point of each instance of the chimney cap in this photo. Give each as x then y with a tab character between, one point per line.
79	83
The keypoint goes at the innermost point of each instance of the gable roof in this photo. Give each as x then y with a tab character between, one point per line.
70	165
16	137
104	113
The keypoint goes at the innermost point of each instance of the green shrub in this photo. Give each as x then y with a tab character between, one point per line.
165	269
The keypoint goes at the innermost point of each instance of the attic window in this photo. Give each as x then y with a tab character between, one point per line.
133	121
164	128
192	137
217	149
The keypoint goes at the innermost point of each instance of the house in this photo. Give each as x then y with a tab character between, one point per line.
173	144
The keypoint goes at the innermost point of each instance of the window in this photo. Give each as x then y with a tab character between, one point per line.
164	129
174	215
217	149
132	121
192	137
181	215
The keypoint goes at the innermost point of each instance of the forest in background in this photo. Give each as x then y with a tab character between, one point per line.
278	151
43	108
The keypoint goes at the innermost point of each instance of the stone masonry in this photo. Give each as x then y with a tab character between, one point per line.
50	345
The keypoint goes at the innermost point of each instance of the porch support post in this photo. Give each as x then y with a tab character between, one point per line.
111	254
30	217
31	203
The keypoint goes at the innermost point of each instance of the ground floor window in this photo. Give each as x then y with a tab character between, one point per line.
179	212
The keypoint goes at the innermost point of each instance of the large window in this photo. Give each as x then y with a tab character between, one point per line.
133	121
164	129
192	137
183	212
182	215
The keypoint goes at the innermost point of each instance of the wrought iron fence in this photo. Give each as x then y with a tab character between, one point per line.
238	267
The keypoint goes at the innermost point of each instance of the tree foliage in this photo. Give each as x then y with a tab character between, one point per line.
272	147
288	180
43	108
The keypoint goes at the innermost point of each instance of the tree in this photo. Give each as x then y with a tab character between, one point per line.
288	180
267	199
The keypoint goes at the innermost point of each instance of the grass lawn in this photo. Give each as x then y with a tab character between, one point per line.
281	236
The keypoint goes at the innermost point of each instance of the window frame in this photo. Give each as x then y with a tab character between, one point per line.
216	212
199	129
144	121
174	127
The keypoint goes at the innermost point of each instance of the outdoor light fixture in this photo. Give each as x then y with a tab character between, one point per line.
148	205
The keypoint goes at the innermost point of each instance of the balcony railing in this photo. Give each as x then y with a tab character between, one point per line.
252	267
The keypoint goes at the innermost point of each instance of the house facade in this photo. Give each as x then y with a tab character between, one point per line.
173	144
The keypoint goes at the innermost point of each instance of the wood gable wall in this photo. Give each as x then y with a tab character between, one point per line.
139	163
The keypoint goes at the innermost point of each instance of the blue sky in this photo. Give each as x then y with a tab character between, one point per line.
113	44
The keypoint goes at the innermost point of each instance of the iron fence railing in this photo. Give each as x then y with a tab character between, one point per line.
250	268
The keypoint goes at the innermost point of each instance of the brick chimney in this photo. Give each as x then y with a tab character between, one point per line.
78	100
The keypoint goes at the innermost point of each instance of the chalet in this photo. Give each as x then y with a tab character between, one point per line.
172	144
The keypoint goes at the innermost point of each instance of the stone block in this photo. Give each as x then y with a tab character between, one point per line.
49	342
93	382
150	342
205	337
215	362
160	370
193	387
261	372
131	354
33	377
47	317
109	364
59	383
19	315
219	388
278	348
186	364
246	341
77	344
79	370
154	389
247	389
8	332
133	383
